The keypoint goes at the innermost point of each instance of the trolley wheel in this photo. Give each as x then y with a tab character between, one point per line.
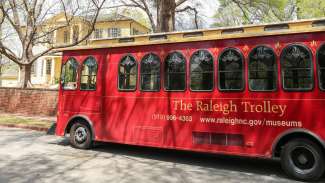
81	136
303	160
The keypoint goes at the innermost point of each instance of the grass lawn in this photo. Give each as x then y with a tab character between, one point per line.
24	121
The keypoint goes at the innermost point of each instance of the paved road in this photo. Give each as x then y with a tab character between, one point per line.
29	156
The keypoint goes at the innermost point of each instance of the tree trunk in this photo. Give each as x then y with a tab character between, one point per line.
166	15
25	75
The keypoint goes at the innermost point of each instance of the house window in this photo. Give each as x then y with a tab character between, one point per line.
69	74
89	74
231	70
296	67
150	73
262	74
116	32
135	31
98	33
65	37
175	72
128	70
48	67
202	72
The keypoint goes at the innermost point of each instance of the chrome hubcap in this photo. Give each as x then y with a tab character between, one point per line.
303	158
80	134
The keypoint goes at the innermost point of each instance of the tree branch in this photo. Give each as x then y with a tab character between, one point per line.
240	6
15	22
54	48
195	14
143	5
8	53
148	12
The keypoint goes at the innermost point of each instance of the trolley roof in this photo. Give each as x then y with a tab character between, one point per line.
292	27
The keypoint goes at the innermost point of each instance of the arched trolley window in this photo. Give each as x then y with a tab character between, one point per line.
262	69
296	67
231	70
89	74
69	74
201	71
150	73
175	72
321	66
128	69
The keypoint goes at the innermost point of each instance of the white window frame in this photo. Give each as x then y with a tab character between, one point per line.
116	32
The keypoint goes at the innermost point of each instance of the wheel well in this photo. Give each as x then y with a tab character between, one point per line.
295	135
80	120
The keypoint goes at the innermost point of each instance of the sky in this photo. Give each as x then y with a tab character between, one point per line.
209	8
206	11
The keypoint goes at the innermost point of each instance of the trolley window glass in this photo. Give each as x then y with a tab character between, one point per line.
321	66
202	73
175	72
262	74
296	66
89	74
150	73
231	70
70	74
128	69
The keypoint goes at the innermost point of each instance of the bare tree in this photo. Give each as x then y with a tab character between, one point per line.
25	22
161	13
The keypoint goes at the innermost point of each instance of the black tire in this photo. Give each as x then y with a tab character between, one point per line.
81	136
303	160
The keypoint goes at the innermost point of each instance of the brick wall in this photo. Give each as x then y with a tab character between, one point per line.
40	102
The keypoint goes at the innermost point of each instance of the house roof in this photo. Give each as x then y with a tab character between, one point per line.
61	18
107	17
112	17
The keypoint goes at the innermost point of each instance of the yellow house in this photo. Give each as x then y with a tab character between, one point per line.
46	70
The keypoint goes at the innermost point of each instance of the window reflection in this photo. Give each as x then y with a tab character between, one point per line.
69	74
175	72
321	66
296	65
89	74
231	70
201	66
150	73
262	69
128	73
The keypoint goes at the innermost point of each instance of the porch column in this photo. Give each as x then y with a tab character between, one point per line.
54	37
44	78
71	34
52	70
